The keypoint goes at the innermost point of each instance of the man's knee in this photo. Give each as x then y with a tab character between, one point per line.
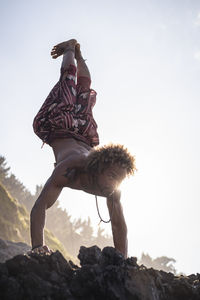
83	84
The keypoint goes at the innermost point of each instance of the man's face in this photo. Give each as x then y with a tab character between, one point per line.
110	179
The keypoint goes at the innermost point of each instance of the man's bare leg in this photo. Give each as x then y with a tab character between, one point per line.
82	69
67	49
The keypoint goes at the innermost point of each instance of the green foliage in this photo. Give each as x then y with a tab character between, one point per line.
15	223
103	239
3	169
14	219
14	186
74	234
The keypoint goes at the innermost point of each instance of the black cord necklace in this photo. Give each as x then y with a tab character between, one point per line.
101	220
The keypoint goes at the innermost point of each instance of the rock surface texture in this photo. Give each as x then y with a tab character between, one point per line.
9	249
103	275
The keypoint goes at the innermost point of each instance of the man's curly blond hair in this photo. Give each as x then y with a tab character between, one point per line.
100	158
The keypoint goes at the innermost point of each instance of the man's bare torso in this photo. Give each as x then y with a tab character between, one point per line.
66	147
70	155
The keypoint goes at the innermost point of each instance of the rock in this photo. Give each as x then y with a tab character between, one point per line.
3	244
9	249
110	256
89	256
103	275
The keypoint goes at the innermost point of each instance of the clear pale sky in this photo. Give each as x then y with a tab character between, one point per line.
144	57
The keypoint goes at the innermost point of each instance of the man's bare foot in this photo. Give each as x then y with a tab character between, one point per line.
78	54
61	48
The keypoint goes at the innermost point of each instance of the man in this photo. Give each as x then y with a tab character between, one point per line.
66	123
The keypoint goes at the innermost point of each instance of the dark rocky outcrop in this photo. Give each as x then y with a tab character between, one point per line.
9	249
104	275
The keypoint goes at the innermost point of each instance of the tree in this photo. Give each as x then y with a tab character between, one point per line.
3	169
12	184
38	190
87	233
102	240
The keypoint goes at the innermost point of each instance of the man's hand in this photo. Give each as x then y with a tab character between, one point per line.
119	228
41	250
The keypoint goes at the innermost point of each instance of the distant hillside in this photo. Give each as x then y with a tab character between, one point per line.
14	223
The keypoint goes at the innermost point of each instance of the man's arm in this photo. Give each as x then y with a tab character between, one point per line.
46	199
62	176
119	228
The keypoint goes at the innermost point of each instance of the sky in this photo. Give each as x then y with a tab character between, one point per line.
144	58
